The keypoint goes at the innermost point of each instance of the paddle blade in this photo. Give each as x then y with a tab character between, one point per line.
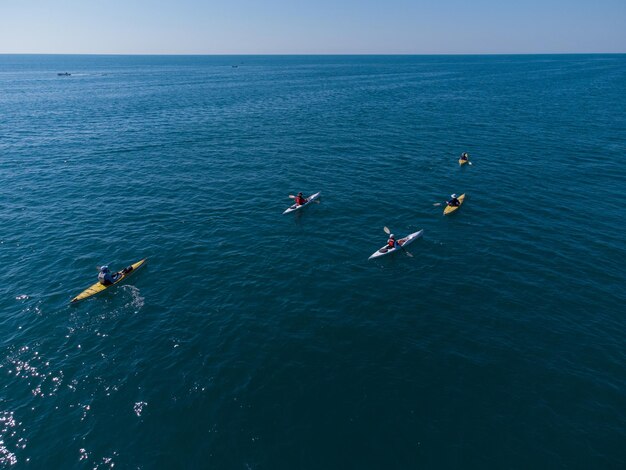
408	253
292	196
437	204
387	231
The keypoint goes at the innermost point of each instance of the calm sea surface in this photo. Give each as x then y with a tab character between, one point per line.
256	340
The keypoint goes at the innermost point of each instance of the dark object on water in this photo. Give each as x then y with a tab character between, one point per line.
235	66
64	74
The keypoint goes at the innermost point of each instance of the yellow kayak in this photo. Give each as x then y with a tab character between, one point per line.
451	209
97	287
462	162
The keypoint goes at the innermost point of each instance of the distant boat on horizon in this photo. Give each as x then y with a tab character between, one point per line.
64	74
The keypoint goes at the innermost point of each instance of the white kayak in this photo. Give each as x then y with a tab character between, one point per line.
309	200
410	238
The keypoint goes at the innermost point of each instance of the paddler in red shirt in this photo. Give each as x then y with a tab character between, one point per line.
300	199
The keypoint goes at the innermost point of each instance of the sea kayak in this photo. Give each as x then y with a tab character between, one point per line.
97	287
295	207
462	162
451	209
384	251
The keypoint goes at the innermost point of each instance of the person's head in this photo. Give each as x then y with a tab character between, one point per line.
392	236
104	269
300	194
453	196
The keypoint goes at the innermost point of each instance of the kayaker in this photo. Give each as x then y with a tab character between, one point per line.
464	156
105	277
392	243
454	201
300	199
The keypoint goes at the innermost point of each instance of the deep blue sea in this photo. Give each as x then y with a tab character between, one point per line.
257	340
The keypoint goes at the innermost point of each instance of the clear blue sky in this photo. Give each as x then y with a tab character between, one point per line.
314	27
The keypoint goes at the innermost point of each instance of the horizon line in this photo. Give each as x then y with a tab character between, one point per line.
221	54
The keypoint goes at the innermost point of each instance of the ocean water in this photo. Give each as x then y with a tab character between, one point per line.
256	340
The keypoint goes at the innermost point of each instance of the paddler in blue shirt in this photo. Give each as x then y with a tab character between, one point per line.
105	277
454	201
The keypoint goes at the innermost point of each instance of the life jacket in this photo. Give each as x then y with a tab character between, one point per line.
106	279
391	243
300	200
